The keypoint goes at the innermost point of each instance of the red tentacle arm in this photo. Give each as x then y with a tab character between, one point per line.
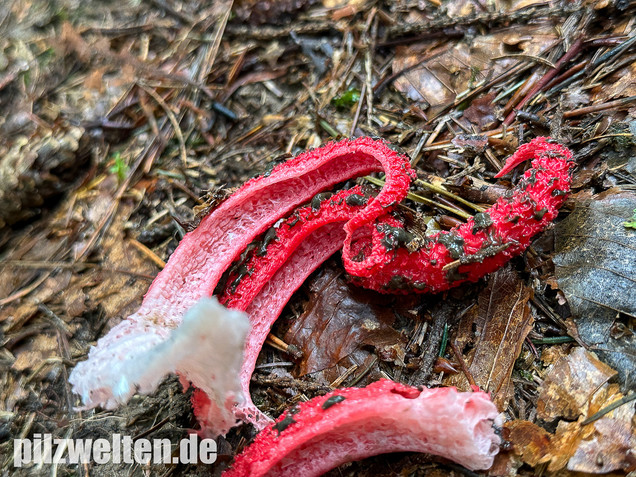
465	253
274	269
487	241
354	423
196	266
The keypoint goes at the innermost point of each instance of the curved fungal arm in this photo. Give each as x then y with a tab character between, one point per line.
483	244
194	269
354	423
276	268
265	280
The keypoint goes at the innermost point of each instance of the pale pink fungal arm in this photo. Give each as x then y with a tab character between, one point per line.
354	423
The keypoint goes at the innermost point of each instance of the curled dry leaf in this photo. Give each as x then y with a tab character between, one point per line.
575	389
603	446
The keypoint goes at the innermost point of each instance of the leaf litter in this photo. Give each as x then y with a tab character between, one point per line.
340	318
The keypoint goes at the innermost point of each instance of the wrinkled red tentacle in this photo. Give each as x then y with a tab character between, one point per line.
353	423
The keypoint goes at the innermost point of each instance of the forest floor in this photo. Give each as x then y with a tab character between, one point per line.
122	121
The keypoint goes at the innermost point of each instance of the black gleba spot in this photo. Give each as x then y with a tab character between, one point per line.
453	242
280	426
481	221
267	239
318	198
331	401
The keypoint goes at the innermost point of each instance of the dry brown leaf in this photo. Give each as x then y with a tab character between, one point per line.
445	71
570	383
32	353
612	445
73	42
338	319
499	324
120	281
94	80
481	112
603	446
531	442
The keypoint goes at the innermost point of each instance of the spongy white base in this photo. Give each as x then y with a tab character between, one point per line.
206	349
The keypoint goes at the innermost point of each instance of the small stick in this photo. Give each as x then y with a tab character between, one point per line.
440	190
275	342
462	363
171	117
358	109
148	253
341	379
423	200
599	107
571	53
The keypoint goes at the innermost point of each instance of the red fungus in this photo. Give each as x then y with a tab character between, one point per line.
275	269
354	423
373	253
480	246
466	253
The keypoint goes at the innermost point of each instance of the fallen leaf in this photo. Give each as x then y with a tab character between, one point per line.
436	74
531	442
32	353
481	112
339	319
496	329
570	383
603	446
612	445
595	268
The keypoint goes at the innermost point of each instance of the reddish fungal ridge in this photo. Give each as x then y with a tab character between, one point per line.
483	244
354	423
278	267
196	266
